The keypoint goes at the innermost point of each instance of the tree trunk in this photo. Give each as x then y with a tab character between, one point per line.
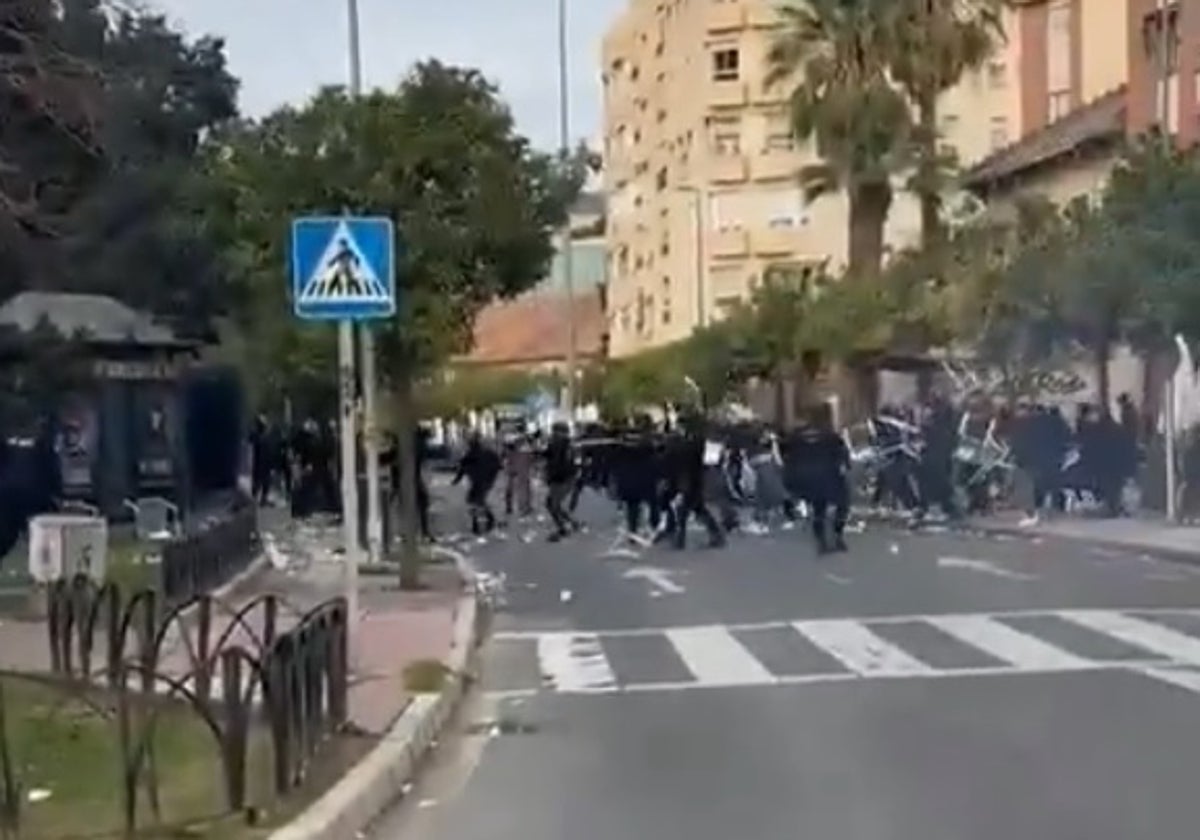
406	454
870	202
1102	354
928	192
779	381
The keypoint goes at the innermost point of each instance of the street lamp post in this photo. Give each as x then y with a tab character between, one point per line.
568	261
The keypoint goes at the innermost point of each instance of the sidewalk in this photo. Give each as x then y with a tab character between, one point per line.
396	628
1175	542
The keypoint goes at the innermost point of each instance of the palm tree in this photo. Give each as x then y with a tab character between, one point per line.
836	53
933	44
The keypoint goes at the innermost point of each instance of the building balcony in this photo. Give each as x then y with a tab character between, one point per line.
725	17
760	93
726	94
725	244
774	166
777	241
728	169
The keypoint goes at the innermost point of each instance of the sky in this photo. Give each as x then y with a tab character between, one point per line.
283	50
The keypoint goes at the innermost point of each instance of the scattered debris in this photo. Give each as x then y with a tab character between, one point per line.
37	795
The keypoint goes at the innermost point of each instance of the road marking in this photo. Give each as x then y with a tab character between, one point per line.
1147	635
1189	680
904	618
574	662
659	579
715	657
1144	667
860	649
1007	644
983	567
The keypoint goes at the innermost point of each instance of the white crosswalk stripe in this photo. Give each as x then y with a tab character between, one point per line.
574	662
1140	633
676	658
715	657
1018	649
858	648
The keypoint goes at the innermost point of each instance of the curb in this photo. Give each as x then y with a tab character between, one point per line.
1174	555
379	779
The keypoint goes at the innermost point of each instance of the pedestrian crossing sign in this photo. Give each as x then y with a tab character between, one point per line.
343	268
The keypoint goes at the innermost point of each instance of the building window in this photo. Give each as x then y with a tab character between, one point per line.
1058	46
781	208
1059	105
727	304
725	64
997	74
999	134
727	137
660	179
1152	39
780	141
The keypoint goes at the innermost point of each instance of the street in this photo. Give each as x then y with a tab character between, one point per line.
925	686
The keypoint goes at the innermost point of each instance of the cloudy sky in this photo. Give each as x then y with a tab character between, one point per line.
284	49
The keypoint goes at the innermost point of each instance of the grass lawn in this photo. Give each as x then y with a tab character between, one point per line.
67	760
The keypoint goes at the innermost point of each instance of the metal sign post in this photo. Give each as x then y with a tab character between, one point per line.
343	269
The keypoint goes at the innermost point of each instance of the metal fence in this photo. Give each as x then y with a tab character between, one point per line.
200	562
240	673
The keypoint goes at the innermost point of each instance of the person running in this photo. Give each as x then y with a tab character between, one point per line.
560	473
480	465
823	462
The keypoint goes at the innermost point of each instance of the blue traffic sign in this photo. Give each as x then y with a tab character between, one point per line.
343	268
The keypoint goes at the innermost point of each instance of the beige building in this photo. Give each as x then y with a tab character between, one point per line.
700	164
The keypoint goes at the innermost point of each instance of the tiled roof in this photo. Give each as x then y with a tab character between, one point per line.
533	329
1101	119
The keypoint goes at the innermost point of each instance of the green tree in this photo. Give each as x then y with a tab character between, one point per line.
934	43
474	207
49	145
140	228
836	54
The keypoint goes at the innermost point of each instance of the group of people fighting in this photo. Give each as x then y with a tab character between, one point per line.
937	455
663	476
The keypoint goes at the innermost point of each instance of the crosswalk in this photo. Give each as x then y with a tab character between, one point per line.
1161	644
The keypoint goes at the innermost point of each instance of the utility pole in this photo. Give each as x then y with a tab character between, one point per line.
1163	104
367	348
568	260
350	425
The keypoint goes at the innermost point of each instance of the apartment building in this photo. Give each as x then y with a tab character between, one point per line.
1164	67
701	164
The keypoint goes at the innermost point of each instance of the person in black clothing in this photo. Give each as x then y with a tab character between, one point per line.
823	462
939	430
686	457
634	470
560	476
480	465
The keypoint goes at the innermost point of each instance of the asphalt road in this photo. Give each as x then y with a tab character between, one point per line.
924	686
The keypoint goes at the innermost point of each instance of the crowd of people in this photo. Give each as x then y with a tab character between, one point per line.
958	459
663	476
